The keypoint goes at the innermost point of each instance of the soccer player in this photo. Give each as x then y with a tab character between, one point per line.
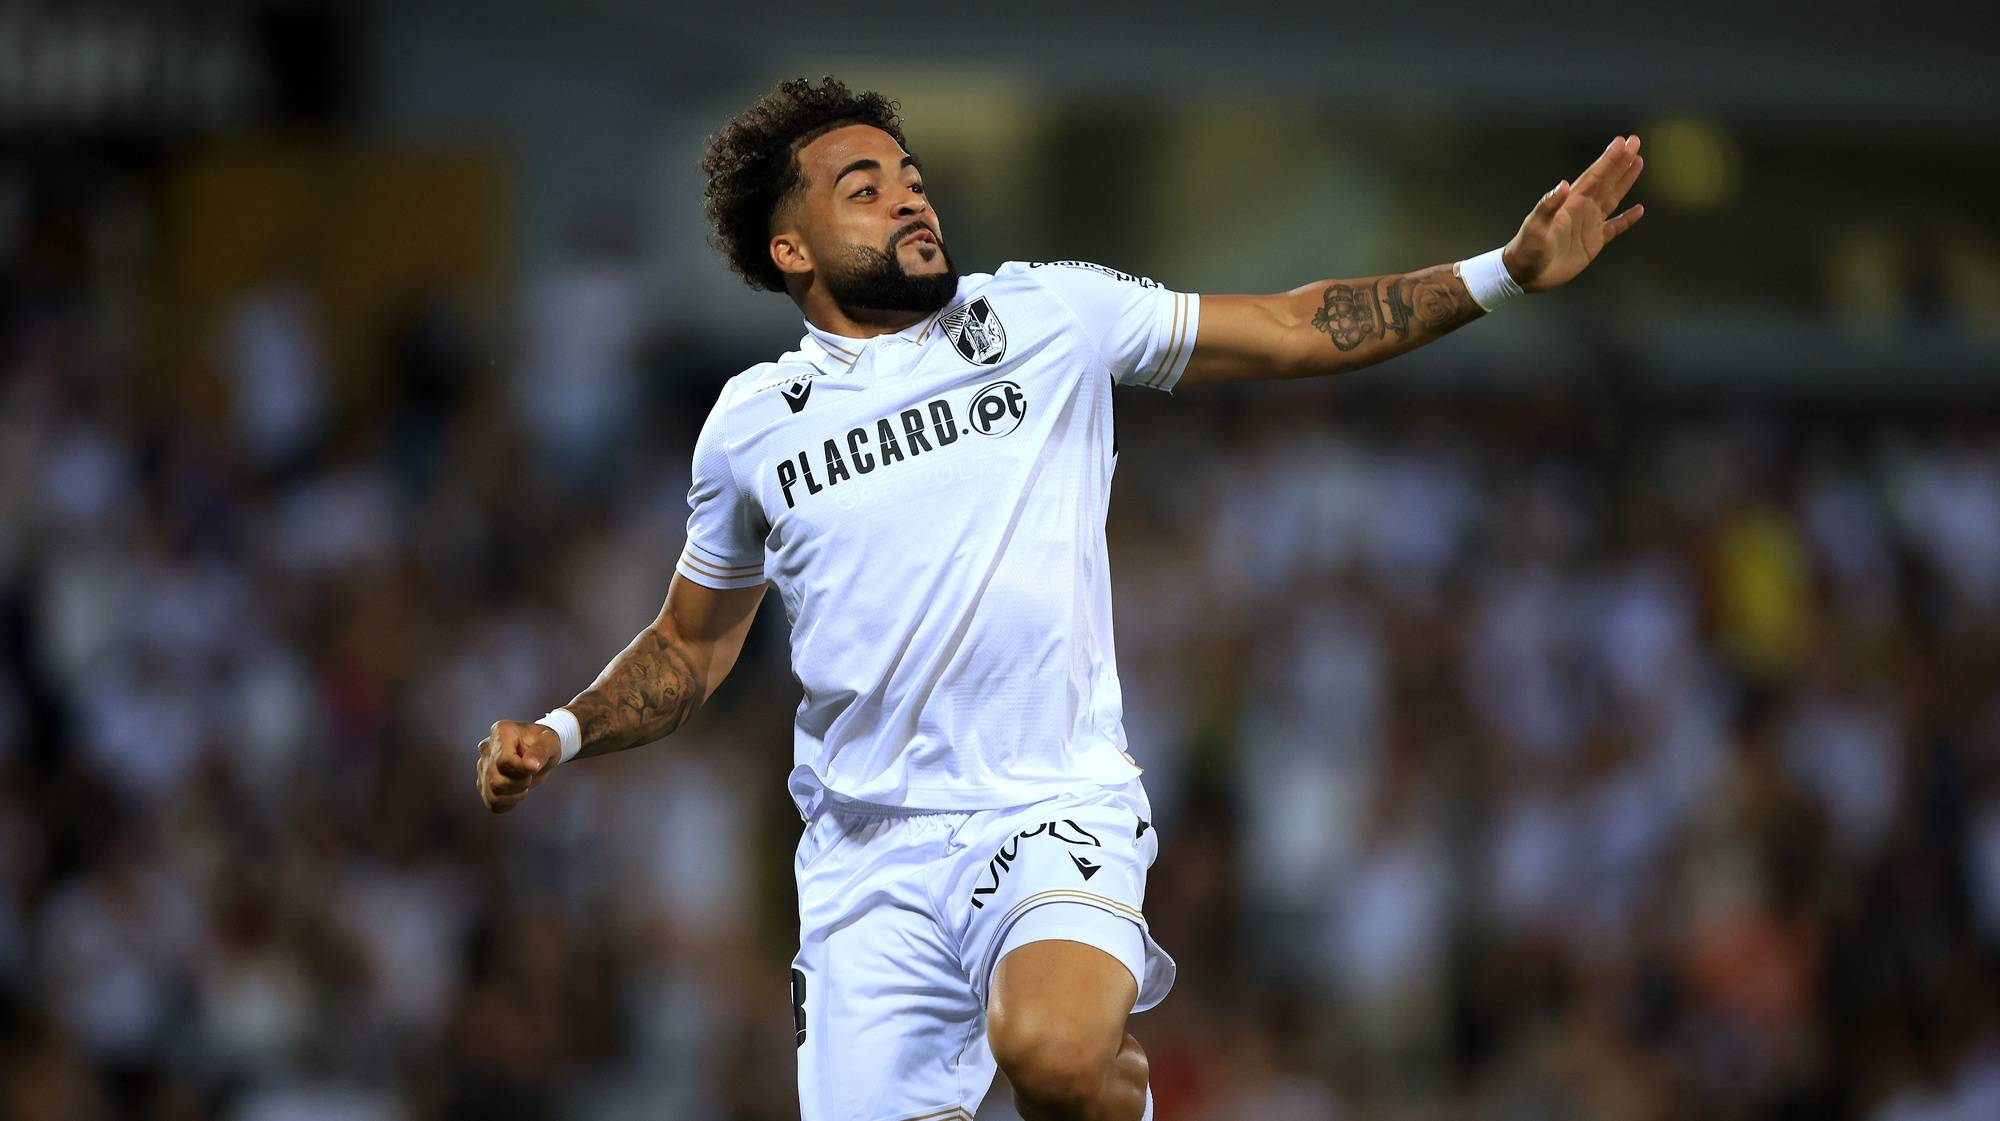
925	482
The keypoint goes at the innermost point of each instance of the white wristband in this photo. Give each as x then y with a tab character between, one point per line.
1486	277
563	723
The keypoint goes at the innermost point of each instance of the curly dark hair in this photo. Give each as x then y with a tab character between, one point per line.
753	166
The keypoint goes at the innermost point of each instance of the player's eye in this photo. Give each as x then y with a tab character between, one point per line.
917	187
864	191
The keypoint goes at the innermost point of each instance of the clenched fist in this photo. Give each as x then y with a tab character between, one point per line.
513	760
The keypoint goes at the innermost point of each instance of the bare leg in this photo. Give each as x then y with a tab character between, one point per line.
1056	1022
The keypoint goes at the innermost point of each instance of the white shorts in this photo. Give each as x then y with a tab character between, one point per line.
903	916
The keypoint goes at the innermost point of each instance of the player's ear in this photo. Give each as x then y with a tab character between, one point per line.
790	252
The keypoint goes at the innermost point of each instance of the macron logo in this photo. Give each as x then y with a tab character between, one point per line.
1086	867
796	393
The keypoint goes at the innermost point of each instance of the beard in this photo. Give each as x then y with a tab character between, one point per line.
872	280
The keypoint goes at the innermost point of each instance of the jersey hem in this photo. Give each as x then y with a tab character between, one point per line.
827	802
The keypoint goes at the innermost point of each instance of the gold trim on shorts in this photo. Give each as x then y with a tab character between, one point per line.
955	1113
1114	905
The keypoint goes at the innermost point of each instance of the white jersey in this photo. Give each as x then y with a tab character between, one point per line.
931	506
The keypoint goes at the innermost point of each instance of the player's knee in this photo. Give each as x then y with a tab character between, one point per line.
1050	1064
1131	1061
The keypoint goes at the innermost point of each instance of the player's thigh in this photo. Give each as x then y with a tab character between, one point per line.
1070	869
1059	1001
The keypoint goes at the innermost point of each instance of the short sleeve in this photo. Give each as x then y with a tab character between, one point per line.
1143	332
725	534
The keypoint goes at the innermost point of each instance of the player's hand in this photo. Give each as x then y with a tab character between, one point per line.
1572	224
513	760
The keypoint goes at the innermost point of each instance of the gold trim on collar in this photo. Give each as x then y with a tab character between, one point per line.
846	361
850	355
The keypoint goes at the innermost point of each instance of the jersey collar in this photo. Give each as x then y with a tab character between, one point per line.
835	354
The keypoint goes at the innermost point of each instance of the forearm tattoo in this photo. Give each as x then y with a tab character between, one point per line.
1347	315
646	692
1396	295
1360	312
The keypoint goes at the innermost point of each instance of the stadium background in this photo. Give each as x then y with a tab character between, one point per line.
1596	715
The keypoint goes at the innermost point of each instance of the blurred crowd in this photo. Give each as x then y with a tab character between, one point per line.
1554	753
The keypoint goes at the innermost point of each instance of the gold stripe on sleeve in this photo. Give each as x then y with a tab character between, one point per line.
705	554
1174	350
705	571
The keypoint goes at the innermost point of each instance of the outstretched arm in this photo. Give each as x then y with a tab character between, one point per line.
648	690
1332	326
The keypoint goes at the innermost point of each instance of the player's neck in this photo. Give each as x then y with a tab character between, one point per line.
856	323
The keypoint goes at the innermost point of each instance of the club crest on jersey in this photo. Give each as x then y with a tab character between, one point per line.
976	331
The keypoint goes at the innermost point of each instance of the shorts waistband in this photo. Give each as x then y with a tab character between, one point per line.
859	809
